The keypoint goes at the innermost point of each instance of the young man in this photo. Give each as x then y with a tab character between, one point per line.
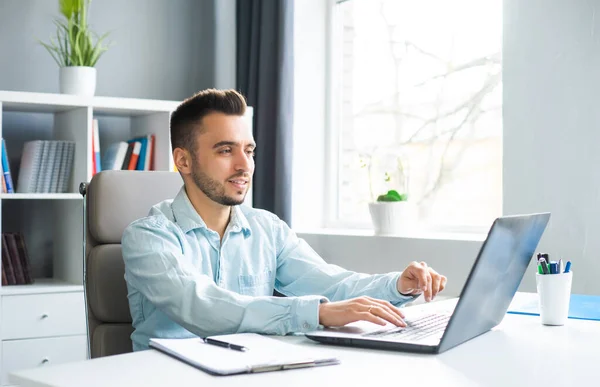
201	264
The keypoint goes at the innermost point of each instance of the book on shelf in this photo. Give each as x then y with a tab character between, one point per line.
7	266
97	166
46	166
134	154
6	176
16	267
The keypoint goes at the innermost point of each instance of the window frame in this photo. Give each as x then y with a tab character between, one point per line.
332	139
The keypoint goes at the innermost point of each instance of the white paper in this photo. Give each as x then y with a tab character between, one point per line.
262	351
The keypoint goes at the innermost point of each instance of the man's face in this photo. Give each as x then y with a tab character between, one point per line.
223	161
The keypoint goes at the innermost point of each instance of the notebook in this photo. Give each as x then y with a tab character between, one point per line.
263	354
581	306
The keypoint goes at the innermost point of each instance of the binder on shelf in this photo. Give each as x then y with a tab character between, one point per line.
114	155
96	146
2	174
14	256
30	166
39	159
146	152
24	256
65	172
127	158
46	166
57	165
135	155
6	169
42	168
150	164
7	264
15	260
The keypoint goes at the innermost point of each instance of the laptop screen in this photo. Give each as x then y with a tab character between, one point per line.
495	276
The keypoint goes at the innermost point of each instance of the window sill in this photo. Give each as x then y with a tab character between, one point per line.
429	235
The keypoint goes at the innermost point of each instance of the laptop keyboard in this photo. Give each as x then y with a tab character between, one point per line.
417	329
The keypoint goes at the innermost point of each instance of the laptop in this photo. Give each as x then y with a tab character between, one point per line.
491	285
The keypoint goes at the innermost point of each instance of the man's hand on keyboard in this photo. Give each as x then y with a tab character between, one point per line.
419	278
336	314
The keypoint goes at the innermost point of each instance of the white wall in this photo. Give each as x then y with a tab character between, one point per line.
551	151
551	126
370	254
161	49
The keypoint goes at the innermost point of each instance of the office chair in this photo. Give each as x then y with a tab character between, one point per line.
114	199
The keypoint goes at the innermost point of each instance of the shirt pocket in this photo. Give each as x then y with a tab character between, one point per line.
259	284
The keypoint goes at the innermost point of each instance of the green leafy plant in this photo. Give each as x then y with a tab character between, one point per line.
73	44
392	196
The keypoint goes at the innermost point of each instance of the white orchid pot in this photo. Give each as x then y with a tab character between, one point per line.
78	80
393	218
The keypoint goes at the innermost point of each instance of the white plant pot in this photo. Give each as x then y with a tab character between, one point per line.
393	218
78	80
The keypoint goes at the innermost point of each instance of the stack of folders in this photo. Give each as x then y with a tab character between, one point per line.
135	155
241	353
46	166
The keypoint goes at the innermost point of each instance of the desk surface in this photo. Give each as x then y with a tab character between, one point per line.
519	350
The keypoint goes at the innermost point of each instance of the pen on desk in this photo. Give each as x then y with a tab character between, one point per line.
224	344
567	267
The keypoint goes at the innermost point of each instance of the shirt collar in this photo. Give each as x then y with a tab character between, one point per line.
188	218
239	222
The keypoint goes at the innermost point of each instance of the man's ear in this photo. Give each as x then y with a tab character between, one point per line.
183	160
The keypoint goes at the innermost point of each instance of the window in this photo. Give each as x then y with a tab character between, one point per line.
416	106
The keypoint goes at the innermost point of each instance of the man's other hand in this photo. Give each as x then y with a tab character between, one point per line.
336	314
419	278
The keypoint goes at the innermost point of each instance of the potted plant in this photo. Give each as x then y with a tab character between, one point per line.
392	213
73	49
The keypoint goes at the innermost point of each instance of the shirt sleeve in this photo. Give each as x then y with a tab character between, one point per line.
156	267
301	271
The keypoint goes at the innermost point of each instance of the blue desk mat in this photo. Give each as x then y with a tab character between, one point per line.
581	306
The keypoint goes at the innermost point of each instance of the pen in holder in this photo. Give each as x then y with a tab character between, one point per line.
554	293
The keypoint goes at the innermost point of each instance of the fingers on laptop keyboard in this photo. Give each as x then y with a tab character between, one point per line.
385	304
388	315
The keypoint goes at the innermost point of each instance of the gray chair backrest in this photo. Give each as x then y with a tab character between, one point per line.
114	199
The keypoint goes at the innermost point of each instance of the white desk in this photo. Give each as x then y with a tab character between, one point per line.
520	351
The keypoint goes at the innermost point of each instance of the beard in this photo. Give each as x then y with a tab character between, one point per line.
214	190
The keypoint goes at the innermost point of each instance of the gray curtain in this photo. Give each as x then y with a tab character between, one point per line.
265	76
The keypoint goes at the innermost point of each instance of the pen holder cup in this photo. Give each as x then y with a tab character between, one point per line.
554	294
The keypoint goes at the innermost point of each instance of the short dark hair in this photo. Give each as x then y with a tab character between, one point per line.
188	116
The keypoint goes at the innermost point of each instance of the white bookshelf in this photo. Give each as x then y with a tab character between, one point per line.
53	103
52	223
42	286
41	196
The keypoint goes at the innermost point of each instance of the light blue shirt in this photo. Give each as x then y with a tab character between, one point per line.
183	281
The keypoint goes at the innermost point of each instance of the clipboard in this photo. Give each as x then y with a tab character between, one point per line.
264	354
